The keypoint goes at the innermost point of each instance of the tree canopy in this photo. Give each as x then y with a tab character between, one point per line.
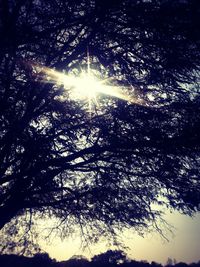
110	167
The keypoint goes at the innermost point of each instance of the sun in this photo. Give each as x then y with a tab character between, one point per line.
86	86
83	86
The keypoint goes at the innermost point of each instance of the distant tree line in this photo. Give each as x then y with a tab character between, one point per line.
110	258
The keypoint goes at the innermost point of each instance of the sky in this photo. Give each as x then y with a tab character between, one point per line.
183	245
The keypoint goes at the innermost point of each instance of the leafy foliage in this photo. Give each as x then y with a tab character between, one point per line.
101	171
112	257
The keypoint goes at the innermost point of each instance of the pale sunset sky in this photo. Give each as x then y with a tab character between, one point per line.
183	245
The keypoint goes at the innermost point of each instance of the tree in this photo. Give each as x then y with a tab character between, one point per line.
155	264
21	261
104	168
169	262
77	260
110	257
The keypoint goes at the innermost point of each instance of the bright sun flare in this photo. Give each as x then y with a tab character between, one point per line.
86	85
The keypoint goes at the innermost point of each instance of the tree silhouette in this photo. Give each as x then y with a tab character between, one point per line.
109	258
169	262
102	169
76	261
21	261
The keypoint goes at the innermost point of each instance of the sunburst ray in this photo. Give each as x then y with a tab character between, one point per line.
86	85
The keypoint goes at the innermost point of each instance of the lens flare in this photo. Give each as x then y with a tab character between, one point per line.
86	85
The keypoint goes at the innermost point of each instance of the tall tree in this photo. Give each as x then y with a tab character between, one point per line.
104	167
